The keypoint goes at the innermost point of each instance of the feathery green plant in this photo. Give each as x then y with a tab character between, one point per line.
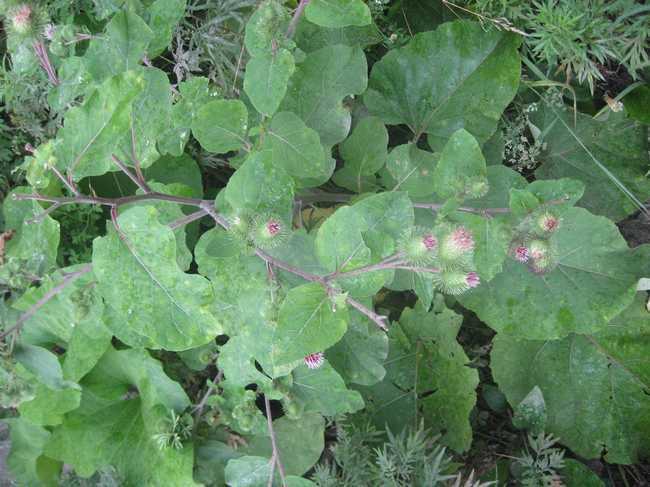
578	37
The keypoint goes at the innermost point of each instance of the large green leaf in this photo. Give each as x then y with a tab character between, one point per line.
73	82
221	125
359	356
35	244
49	406
179	170
593	280
245	302
298	251
72	318
296	148
417	16
577	474
355	236
126	400
42	363
248	471
322	390
151	297
169	212
193	94
595	387
92	131
461	167
340	245
636	104
426	377
364	153
266	80
458	76
162	17
89	340
266	29
308	322
150	117
338	13
619	144
237	360
318	86
411	169
242	292
70	308
311	37
300	442
210	460
120	48
25	455
259	186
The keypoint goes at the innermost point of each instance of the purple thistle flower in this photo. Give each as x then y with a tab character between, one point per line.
472	279
462	239
429	241
22	16
315	360
522	254
273	227
549	223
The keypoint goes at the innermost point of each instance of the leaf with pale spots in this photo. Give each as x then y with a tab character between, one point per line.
220	126
147	291
308	322
592	278
457	76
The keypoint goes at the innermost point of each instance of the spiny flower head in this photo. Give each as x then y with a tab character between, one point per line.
462	240
538	249
456	281
273	227
476	187
239	224
457	245
472	279
429	241
315	360
542	256
419	245
542	265
268	231
521	253
21	19
548	222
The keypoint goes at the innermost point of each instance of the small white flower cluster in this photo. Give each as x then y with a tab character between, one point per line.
521	150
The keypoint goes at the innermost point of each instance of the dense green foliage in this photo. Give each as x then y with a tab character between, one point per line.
581	37
233	321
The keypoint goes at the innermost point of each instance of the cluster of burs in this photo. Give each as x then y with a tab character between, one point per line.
533	245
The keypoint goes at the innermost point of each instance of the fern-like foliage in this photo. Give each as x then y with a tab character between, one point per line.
578	36
210	40
412	458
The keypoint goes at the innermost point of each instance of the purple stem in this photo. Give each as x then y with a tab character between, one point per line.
274	443
44	61
136	180
291	30
67	280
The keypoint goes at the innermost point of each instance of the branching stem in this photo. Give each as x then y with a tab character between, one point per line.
198	410
67	280
139	182
274	443
184	220
207	207
291	30
142	183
